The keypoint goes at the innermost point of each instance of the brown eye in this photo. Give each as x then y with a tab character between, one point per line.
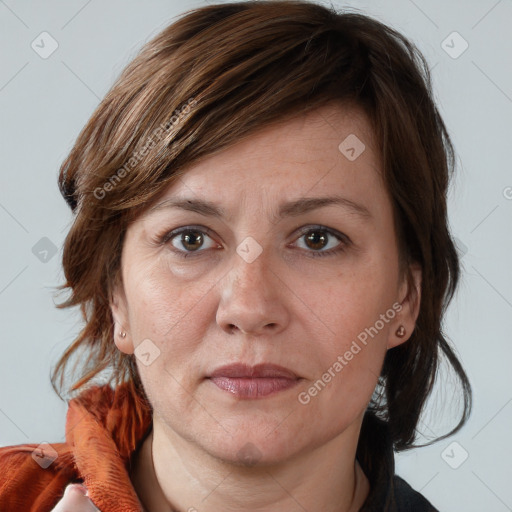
321	241
316	239
187	241
192	240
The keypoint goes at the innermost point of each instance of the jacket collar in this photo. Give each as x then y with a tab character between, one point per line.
104	427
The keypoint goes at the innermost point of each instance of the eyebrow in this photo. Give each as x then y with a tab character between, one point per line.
288	209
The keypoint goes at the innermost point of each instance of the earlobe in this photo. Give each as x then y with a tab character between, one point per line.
119	311
405	321
123	341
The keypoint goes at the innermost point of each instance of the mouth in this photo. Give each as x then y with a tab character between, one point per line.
245	381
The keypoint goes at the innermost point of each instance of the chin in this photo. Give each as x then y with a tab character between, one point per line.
258	446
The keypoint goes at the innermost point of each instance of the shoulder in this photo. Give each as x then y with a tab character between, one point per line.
407	499
32	477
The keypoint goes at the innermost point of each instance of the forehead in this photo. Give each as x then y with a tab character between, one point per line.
321	135
328	151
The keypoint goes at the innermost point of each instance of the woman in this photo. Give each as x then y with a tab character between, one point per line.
262	258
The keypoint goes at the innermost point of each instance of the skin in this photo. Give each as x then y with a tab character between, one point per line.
286	307
76	500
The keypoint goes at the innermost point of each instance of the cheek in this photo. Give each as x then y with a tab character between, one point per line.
351	316
162	307
348	361
351	301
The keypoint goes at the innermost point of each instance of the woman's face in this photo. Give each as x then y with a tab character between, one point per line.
257	275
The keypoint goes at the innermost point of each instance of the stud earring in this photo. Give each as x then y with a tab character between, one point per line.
400	332
122	334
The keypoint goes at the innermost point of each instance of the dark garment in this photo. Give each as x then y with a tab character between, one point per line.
388	492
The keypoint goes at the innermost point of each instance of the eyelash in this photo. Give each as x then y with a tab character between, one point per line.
167	236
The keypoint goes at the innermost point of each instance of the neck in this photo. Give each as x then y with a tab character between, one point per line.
171	475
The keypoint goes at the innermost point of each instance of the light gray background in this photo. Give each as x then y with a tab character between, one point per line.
45	102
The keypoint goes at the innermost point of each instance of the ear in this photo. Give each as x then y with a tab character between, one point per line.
119	309
410	298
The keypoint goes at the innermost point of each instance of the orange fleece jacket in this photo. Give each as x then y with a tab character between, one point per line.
104	428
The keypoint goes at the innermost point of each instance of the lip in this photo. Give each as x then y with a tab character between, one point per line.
250	382
242	370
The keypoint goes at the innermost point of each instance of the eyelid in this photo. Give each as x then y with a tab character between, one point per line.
320	227
167	235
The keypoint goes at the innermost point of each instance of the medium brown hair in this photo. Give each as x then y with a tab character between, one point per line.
213	77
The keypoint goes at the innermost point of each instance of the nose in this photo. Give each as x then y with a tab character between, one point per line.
253	298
